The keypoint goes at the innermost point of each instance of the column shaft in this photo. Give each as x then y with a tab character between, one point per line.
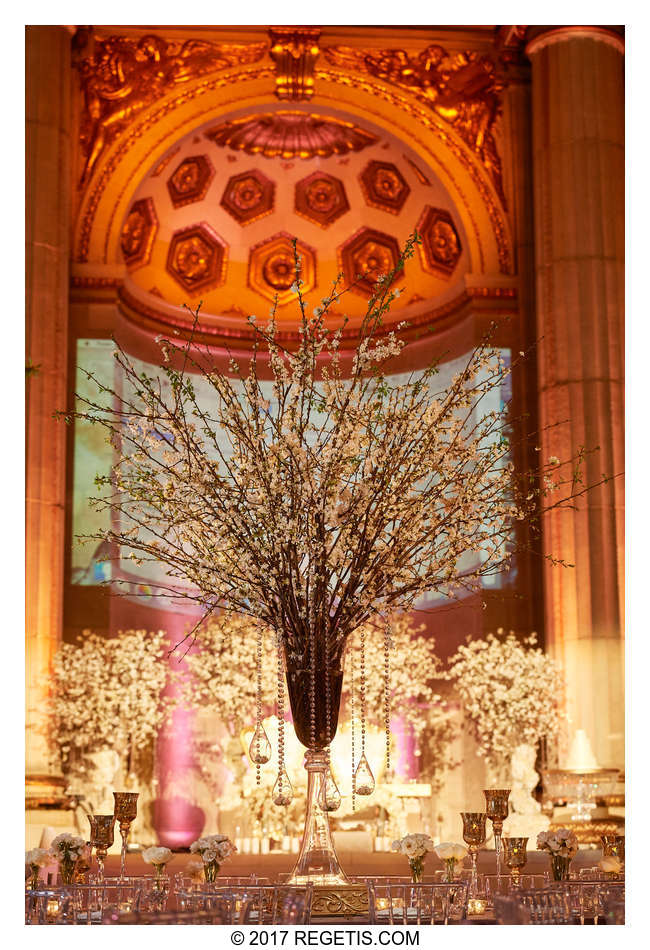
578	175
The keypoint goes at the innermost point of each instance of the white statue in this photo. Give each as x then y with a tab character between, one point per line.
101	781
525	819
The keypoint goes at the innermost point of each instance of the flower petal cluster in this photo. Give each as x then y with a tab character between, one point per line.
38	857
67	847
450	851
413	846
562	842
213	848
157	856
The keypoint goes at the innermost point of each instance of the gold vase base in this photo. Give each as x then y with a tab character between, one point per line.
340	900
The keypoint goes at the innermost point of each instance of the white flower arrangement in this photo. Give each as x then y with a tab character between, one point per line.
450	851
108	693
561	842
158	856
213	848
38	857
413	846
511	693
68	848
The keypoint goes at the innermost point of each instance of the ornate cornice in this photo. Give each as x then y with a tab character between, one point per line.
143	314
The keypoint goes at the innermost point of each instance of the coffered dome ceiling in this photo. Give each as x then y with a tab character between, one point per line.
213	220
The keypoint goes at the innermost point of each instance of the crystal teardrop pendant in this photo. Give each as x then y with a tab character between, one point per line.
283	789
331	799
364	780
260	748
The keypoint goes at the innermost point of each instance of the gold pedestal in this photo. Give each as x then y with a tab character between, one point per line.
343	900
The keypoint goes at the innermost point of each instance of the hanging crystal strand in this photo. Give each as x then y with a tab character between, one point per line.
352	720
260	747
387	641
364	779
312	661
331	798
282	790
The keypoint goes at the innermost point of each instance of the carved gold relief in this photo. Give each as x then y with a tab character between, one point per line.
342	901
271	268
384	187
321	198
294	50
197	258
123	75
366	256
138	233
464	89
249	196
190	181
291	135
440	248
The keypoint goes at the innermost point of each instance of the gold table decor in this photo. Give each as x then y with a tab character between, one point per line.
102	834
496	808
126	810
614	845
515	855
474	837
341	900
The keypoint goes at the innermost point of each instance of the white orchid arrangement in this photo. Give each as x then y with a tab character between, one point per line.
451	853
511	692
108	693
561	842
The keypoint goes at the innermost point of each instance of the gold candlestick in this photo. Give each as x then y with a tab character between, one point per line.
474	836
102	834
515	855
496	808
126	810
614	845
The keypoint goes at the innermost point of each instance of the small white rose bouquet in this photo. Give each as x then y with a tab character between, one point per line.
562	845
66	849
414	847
451	852
159	857
213	850
37	858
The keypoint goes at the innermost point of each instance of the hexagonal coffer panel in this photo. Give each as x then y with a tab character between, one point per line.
249	196
190	181
321	198
138	233
197	258
384	186
271	268
368	253
440	249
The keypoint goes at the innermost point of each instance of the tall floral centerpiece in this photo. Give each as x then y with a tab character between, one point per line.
313	492
511	693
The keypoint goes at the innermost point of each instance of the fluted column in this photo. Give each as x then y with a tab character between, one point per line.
47	259
578	179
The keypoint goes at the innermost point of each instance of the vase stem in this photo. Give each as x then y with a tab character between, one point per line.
473	886
317	861
124	835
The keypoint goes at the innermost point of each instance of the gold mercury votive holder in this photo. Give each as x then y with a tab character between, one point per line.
126	811
515	857
474	837
496	808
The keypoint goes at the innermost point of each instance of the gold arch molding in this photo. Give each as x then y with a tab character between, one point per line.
119	172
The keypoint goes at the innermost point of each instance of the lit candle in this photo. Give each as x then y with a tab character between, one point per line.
476	905
53	908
